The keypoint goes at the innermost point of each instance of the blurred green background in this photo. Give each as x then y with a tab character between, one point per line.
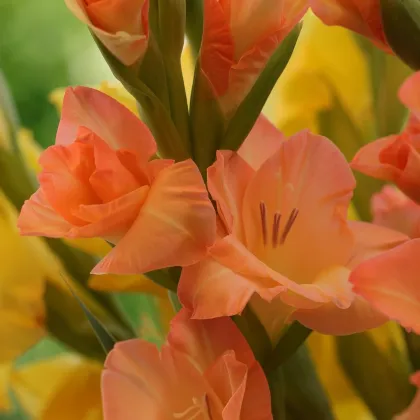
42	47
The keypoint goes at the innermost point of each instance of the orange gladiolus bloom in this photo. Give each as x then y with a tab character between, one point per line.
206	370
239	37
98	181
390	282
396	158
393	209
361	16
284	237
121	25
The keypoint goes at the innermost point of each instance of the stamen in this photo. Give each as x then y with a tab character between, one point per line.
276	228
289	224
263	213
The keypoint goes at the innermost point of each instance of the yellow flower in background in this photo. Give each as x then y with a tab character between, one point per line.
66	387
327	63
5	370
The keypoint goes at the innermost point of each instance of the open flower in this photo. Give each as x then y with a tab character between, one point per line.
239	37
361	16
393	209
98	181
396	158
121	25
205	370
286	238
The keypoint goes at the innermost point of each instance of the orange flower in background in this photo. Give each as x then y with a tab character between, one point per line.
286	238
396	158
98	181
121	25
393	209
390	282
413	412
239	37
361	16
205	370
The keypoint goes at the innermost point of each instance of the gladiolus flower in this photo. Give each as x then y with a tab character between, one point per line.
390	282
286	238
98	181
361	16
205	370
239	37
393	209
396	158
413	412
121	25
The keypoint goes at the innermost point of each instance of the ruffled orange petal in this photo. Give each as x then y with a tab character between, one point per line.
217	47
367	160
175	226
409	93
390	283
371	240
227	181
106	117
332	320
110	220
263	141
362	16
393	209
127	47
38	218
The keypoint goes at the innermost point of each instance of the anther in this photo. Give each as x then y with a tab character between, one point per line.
263	213
276	228
289	224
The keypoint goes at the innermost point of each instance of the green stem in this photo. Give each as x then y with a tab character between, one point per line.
291	340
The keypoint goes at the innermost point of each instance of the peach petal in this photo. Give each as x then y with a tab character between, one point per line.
177	218
110	179
408	93
393	209
330	319
128	48
210	290
263	141
257	402
390	283
205	341
228	378
110	220
367	160
111	121
38	218
372	240
227	181
217	47
362	16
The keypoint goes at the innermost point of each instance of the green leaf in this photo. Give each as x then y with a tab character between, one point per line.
384	387
106	340
162	278
401	19
412	341
248	111
176	304
305	395
195	24
154	112
254	332
278	394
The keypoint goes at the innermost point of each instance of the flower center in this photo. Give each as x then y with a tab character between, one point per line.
278	236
